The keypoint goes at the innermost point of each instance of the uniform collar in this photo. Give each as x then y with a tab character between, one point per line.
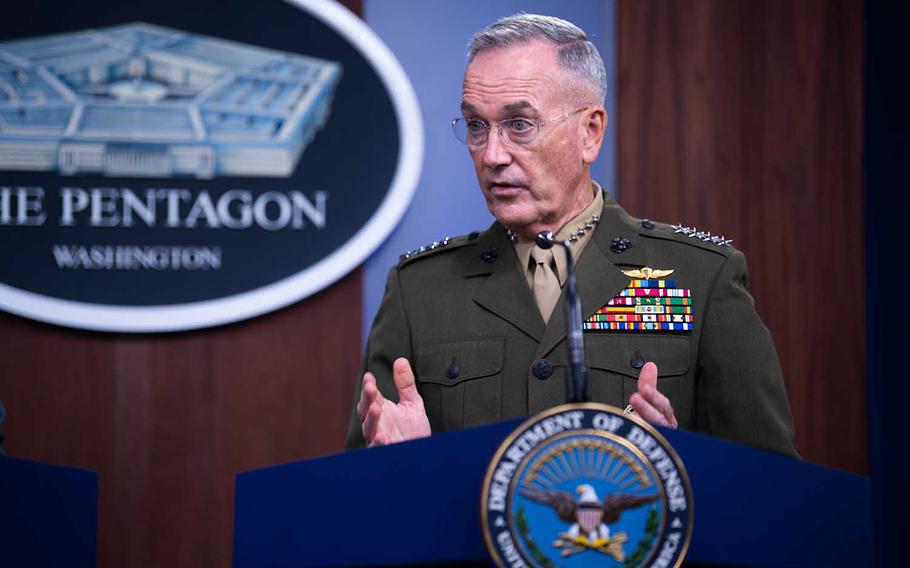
524	245
506	293
597	274
615	225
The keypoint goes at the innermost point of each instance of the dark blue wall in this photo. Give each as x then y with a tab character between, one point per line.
887	158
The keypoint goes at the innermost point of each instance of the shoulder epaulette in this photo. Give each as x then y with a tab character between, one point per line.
688	235
447	243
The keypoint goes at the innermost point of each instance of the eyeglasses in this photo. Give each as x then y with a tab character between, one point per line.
519	132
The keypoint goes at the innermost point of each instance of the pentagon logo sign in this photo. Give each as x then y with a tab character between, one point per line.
586	485
162	169
155	102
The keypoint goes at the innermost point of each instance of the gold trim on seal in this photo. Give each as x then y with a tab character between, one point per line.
507	442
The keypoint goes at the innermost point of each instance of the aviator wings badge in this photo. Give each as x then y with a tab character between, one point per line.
647	273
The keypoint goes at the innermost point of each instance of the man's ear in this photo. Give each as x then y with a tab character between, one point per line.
594	128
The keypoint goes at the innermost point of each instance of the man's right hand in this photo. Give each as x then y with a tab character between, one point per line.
383	421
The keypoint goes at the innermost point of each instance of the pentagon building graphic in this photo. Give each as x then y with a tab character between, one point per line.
144	100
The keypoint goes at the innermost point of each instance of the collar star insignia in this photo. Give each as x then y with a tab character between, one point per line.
572	238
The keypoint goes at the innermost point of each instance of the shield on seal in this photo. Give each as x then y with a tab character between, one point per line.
589	517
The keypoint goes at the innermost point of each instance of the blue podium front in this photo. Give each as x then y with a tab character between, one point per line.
48	515
418	503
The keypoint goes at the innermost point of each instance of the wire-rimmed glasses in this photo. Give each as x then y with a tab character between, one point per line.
520	132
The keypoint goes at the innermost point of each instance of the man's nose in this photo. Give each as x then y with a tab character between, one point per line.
495	152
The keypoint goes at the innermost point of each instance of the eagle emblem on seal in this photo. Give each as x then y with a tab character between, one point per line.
589	517
582	485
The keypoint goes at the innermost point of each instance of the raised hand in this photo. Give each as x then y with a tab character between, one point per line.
385	422
649	403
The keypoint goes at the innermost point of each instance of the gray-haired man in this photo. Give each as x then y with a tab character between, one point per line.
472	331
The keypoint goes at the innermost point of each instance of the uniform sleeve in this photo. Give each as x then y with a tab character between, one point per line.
390	338
741	393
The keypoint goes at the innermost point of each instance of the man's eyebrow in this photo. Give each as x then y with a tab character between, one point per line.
517	106
468	108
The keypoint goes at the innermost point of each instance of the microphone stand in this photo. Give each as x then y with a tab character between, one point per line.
577	380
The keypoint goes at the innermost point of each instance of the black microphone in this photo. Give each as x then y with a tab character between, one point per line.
577	381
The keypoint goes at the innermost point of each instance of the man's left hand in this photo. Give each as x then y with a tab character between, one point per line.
649	403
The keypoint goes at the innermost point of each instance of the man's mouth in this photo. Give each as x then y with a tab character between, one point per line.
503	189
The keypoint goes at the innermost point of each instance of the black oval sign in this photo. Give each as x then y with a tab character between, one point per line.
168	171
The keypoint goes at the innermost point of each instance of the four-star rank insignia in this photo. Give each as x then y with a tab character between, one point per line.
648	303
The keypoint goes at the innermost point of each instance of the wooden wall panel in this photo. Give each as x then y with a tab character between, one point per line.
167	421
743	117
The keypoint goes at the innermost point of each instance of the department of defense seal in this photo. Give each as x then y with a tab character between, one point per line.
585	485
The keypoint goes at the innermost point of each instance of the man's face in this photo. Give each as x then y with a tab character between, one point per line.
542	186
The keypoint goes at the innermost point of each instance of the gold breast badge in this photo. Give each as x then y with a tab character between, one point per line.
647	273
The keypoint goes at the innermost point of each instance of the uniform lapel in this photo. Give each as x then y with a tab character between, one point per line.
505	292
596	272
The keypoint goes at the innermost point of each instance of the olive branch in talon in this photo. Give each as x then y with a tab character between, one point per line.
521	522
611	546
644	545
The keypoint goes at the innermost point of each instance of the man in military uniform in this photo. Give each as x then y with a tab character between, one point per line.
471	330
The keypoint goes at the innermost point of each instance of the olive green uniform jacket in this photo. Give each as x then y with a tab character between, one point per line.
464	316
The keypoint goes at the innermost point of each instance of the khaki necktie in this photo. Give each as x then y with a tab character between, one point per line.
546	284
